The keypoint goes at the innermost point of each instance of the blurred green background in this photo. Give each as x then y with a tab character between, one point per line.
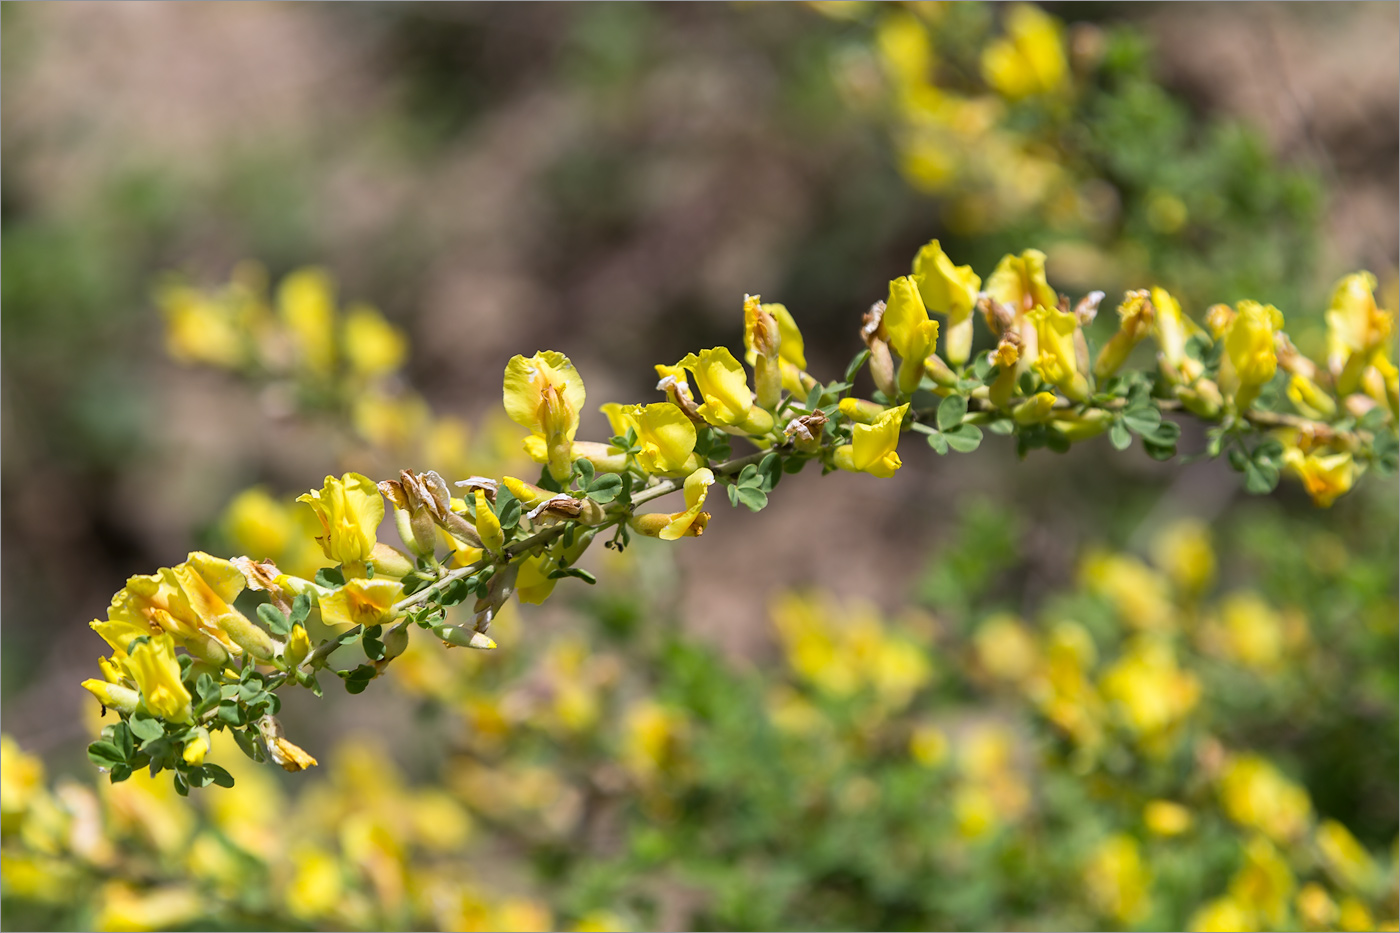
609	180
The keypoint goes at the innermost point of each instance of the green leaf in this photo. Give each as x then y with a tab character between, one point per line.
357	680
733	491
938	442
578	572
814	398
1056	441
301	608
752	497
770	471
208	690
274	618
964	438
507	509
182	786
330	577
605	488
1165	433
1260	478
146	728
1157	450
583	469
247	743
1142	420
1028	383
1002	426
105	754
231	713
748	476
1118	435
856	363
952	412
218	775
982	366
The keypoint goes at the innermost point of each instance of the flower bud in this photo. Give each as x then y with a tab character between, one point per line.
248	635
1309	398
298	647
1201	398
1035	409
861	411
395	642
529	494
938	371
463	638
1085	425
761	335
113	696
389	561
488	526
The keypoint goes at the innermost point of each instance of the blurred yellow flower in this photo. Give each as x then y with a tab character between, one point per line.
1183	551
951	290
1139	594
1224	915
1264	884
1324	477
306	300
1256	795
1166	817
1253	631
1150	693
1250	359
1031	59
1116	879
373	346
123	907
1345	858
1005	648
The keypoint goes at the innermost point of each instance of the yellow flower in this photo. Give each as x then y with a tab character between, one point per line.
545	395
1264	883
911	334
666	438
1315	906
1182	549
1031	59
1356	329
1135	317
1150	693
1005	649
1019	283
532	582
928	745
1311	400
872	447
691	522
1250	358
725	389
1117	880
761	340
259	525
193	602
951	290
123	907
1257	796
1172	330
317	885
792	357
196	748
350	510
1346	859
1253	631
1166	818
1224	914
288	756
1324	477
199	329
152	665
113	695
1353	916
653	737
1057	361
373	345
488	525
1140	595
306	299
362	602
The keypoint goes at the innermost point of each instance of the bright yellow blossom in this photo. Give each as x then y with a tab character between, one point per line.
1223	914
532	582
1356	329
1173	329
1117	880
1150	693
196	748
911	334
1264	883
362	602
664	434
1250	358
373	346
123	907
546	395
872	447
951	290
152	665
1256	795
488	525
1182	549
350	510
1057	362
1315	907
1346	859
1325	477
690	522
113	695
728	402
1031	59
1166	818
306	299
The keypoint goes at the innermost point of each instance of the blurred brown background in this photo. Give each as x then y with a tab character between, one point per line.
608	180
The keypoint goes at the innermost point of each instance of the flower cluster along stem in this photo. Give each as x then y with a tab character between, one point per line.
1268	408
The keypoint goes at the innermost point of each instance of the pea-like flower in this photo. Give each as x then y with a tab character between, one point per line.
677	525
1172	330
728	402
1250	358
1030	59
664	434
951	290
1356	329
153	666
872	447
911	334
1325	477
350	510
545	394
1056	361
362	602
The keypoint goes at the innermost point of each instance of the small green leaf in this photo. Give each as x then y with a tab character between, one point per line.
146	728
856	363
605	488
752	497
1002	426
964	438
938	442
231	713
1118	435
982	366
1056	441
1142	420
218	775
105	754
507	509
274	618
951	412
301	608
330	577
584	470
578	572
247	743
814	398
1260	478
